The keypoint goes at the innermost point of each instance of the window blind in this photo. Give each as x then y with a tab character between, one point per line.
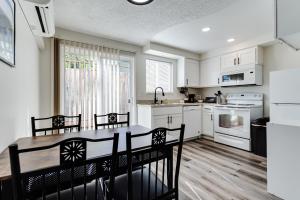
159	74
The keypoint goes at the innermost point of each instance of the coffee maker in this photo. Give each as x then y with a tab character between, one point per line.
191	98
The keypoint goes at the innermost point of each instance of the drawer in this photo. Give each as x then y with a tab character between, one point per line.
240	143
167	110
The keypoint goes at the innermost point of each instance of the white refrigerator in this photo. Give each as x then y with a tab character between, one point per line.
283	135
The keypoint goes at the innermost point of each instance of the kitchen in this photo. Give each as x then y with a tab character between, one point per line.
223	72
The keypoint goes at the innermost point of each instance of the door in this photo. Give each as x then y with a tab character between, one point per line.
160	121
228	62
284	86
192	119
232	121
246	57
207	122
210	72
175	122
192	72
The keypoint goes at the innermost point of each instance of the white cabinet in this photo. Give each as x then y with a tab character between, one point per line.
210	72
192	118
247	57
155	117
160	121
208	121
228	61
242	58
187	73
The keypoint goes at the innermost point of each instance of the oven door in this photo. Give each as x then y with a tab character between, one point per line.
232	121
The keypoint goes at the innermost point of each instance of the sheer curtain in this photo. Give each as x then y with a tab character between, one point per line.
91	80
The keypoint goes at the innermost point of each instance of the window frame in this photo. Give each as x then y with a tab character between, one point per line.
173	63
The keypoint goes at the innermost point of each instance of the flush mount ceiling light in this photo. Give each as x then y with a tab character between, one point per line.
205	29
231	40
140	2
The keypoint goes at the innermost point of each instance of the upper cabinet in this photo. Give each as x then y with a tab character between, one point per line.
232	61
210	72
287	27
188	73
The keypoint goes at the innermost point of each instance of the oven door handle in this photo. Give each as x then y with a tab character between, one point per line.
232	108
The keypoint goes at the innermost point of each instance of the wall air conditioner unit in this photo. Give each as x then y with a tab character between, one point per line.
40	16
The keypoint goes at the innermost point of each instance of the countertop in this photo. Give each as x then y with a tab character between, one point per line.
174	104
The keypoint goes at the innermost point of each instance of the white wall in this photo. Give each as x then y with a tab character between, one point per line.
276	57
19	86
140	64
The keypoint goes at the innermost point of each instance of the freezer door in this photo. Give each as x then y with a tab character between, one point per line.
283	161
288	114
284	86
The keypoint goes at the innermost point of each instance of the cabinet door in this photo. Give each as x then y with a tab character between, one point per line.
160	121
247	57
207	123
210	72
228	61
192	72
175	122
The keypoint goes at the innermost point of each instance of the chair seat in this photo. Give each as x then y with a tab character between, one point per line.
34	184
79	193
121	183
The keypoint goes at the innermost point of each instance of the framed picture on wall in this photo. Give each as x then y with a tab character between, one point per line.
7	31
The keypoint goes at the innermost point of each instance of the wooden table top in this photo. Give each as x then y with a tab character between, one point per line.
41	159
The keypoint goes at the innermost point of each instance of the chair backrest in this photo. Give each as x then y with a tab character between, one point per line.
53	125
155	163
111	120
75	169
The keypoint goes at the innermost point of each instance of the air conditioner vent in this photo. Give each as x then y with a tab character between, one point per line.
40	16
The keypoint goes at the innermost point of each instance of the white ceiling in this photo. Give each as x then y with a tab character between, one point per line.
173	22
244	20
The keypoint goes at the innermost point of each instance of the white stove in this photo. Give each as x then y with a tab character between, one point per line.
232	120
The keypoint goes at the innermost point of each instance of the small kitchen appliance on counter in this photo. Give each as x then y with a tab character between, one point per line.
191	99
210	100
232	120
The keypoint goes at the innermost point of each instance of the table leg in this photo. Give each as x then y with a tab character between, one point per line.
170	168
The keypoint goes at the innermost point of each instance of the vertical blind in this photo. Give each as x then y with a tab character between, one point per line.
159	74
91	80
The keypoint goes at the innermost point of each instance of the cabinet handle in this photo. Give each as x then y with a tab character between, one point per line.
168	119
187	81
218	80
238	60
211	117
235	61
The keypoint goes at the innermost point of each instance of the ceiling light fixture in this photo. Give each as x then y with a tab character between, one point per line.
140	2
231	40
205	29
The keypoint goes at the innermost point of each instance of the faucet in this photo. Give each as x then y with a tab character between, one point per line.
155	98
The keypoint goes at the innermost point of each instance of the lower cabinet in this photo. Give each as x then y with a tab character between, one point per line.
208	121
156	117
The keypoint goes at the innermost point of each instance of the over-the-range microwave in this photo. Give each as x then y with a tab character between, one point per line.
250	75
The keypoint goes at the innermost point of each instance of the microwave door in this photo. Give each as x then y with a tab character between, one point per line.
241	79
228	80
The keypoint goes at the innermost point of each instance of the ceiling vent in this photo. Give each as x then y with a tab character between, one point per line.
40	16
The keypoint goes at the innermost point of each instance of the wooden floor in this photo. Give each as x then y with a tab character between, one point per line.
211	171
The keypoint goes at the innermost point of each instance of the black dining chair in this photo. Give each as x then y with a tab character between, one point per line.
54	125
75	177
112	120
155	179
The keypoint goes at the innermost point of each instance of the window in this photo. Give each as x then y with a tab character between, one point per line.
159	74
95	80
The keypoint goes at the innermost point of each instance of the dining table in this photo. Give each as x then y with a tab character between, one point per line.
48	158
